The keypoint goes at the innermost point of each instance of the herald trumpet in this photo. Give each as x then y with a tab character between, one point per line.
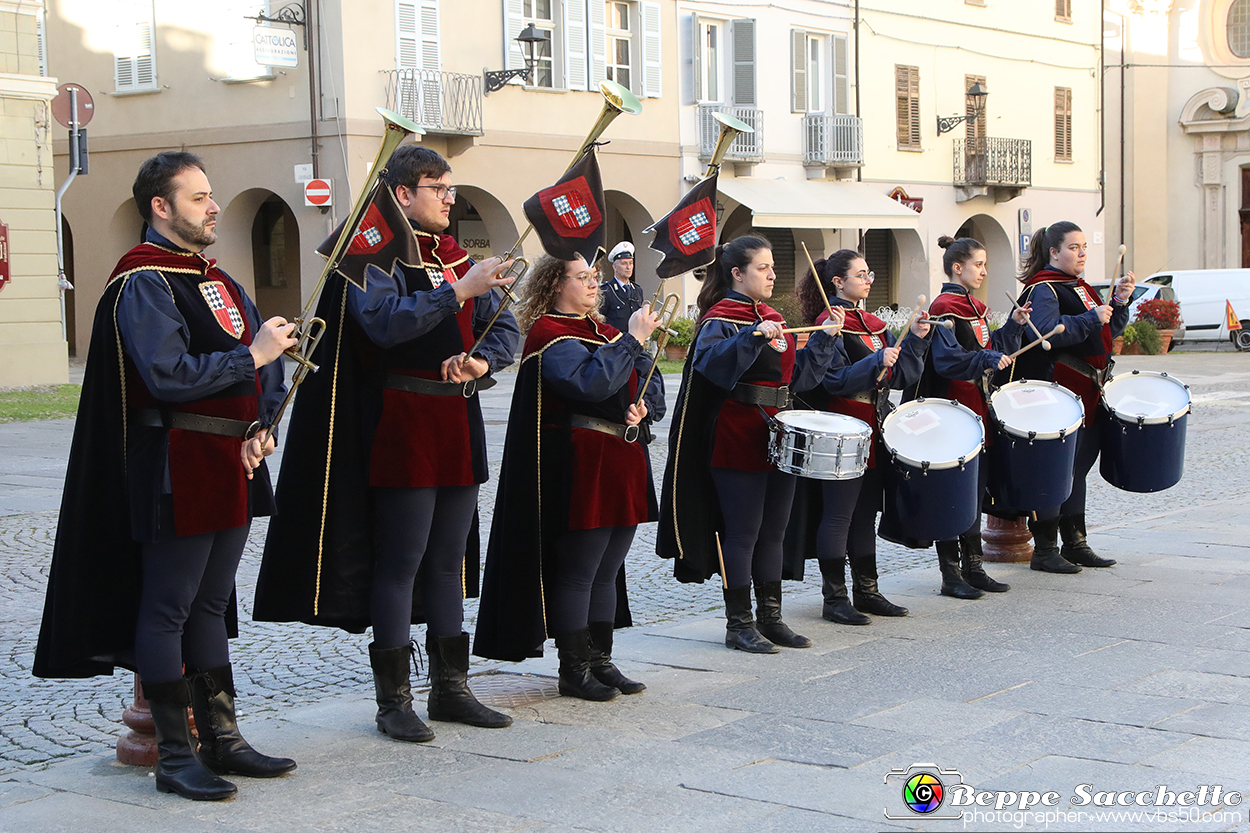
667	313
308	328
616	100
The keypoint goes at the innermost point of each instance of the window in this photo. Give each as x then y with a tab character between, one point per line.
709	37
619	44
907	106
841	86
807	77
742	32
1063	124
1063	10
538	12
974	130
552	20
1239	28
134	61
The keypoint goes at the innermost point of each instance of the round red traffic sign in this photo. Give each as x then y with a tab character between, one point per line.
60	105
317	192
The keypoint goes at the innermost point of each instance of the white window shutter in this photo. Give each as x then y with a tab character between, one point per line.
598	17
431	55
651	49
696	58
407	35
743	37
841	78
577	65
513	23
798	71
134	61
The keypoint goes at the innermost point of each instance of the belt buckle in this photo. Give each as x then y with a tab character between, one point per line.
783	397
631	434
469	388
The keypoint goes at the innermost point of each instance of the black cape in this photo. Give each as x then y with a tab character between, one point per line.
319	556
531	511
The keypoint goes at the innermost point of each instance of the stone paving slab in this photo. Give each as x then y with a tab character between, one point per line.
1047	697
826	743
1218	720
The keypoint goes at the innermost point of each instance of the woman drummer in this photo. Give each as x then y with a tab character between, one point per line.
866	365
960	363
1079	361
739	374
575	483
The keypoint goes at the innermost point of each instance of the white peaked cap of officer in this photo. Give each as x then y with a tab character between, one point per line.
622	249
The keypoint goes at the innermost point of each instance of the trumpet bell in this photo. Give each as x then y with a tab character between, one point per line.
620	98
395	119
736	125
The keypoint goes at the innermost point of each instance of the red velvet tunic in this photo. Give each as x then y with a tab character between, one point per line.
863	334
971	328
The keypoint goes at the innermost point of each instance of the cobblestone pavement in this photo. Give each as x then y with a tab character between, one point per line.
42	721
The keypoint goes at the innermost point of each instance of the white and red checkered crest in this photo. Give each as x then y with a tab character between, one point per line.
568	216
222	304
382	238
686	236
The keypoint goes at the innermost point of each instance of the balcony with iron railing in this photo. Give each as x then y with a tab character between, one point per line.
1001	168
833	141
748	147
440	102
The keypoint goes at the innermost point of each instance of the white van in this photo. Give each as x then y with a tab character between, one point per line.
1204	295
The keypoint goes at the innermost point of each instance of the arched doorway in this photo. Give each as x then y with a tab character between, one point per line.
481	224
1000	257
67	249
275	259
627	219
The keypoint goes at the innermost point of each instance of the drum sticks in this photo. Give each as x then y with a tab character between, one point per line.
1059	328
724	580
816	276
829	326
1028	319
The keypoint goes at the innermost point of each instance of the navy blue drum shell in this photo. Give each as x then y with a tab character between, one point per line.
1032	476
937	505
1146	458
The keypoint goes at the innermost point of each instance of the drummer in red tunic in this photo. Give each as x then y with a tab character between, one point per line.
855	386
575	483
1080	362
718	480
960	365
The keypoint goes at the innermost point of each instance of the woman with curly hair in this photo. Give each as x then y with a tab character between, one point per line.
719	481
575	481
856	386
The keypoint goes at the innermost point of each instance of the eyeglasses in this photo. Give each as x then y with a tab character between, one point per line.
441	191
863	276
588	278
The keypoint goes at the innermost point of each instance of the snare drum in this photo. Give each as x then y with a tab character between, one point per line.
1034	453
932	492
819	445
1143	419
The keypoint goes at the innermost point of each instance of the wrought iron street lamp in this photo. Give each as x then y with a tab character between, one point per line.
530	37
978	94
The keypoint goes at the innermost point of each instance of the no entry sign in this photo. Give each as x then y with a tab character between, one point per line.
317	193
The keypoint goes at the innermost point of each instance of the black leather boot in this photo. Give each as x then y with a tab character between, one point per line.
178	769
222	748
973	570
450	698
837	606
1046	557
393	688
768	615
868	598
1075	547
575	677
601	666
953	583
740	630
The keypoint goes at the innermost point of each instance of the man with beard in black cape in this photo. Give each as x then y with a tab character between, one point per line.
162	485
387	448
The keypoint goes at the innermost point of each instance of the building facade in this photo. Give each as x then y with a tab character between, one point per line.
32	349
166	74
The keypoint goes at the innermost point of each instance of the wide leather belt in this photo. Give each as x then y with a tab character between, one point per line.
434	387
628	433
1081	366
220	426
762	395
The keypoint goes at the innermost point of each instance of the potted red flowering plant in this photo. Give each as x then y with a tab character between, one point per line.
1164	315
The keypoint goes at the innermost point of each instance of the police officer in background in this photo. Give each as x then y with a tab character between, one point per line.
621	296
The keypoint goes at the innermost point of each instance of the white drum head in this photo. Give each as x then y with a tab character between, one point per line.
934	431
1152	397
823	422
1043	410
